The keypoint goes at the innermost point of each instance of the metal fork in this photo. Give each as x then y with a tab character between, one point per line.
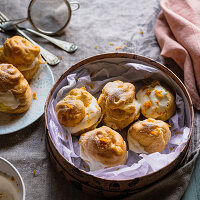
49	57
66	46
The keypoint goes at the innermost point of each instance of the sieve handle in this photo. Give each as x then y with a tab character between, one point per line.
49	57
66	46
76	3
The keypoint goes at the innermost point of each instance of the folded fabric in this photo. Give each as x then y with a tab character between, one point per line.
178	33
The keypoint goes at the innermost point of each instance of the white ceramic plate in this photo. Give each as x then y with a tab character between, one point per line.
41	84
9	170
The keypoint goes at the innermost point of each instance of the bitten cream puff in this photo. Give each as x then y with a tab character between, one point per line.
148	136
15	92
79	111
102	148
23	55
157	101
118	104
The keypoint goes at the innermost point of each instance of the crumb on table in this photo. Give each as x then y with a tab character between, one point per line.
118	48
34	96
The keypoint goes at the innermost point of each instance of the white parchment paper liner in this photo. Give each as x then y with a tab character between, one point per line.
94	76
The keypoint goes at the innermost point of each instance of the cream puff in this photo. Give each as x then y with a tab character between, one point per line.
102	148
79	111
157	101
148	136
15	92
23	55
2	60
118	103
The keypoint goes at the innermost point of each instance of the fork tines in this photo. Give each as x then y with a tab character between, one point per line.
3	19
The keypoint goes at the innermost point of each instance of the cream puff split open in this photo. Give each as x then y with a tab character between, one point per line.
79	111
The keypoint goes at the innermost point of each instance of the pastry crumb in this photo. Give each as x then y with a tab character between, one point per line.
38	77
118	48
61	57
168	125
111	43
125	46
141	32
95	47
34	96
34	172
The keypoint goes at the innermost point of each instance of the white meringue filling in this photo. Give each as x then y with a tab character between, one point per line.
8	189
92	115
93	165
8	99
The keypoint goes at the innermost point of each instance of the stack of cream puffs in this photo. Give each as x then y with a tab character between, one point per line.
15	92
79	112
118	103
22	54
19	62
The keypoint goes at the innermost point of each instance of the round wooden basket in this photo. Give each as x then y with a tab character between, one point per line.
107	187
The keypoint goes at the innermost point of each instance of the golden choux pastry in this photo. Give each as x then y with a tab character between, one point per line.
2	59
118	104
157	101
15	92
79	111
102	148
23	55
148	136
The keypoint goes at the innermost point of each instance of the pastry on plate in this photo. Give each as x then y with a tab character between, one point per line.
102	148
118	104
15	92
148	136
23	55
157	101
2	60
79	111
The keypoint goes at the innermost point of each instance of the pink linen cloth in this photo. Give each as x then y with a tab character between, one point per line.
178	33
